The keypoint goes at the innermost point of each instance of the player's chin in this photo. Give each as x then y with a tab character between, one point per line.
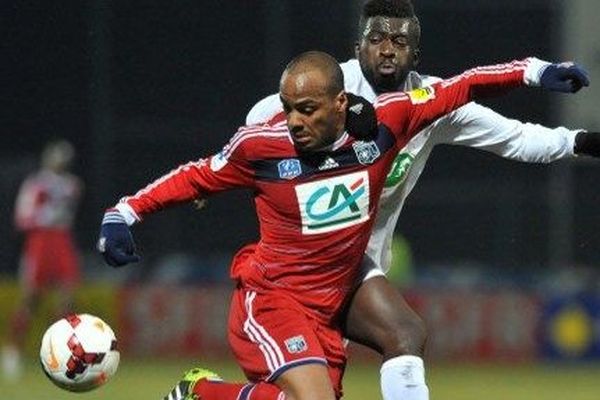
304	144
388	82
304	147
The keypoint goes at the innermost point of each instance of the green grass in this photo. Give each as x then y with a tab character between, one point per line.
150	379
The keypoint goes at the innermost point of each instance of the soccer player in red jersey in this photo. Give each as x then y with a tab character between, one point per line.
387	56
44	212
316	189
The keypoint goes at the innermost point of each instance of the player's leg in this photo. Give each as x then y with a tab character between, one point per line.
275	340
291	385
274	345
65	268
379	318
19	324
31	281
294	383
206	385
22	315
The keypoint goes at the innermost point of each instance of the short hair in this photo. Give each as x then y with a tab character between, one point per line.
323	62
60	149
391	9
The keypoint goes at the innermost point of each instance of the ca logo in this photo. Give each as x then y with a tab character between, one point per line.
335	206
334	203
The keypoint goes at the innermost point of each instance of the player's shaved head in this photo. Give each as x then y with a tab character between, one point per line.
318	62
314	101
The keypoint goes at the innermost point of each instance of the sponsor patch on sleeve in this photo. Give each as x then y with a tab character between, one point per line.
421	95
218	161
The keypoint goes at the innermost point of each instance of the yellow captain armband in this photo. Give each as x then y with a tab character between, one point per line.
421	95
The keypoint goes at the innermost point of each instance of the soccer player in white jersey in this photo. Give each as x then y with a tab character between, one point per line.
387	54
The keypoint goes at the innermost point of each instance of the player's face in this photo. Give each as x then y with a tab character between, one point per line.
315	118
387	51
58	157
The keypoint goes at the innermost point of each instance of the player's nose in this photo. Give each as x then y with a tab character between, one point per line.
386	48
294	123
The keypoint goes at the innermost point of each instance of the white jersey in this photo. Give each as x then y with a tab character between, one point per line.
47	200
472	125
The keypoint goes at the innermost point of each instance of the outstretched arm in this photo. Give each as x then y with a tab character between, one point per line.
476	126
406	113
225	170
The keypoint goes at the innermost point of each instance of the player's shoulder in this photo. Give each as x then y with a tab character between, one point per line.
351	68
355	81
74	180
264	110
259	140
426	80
353	75
416	90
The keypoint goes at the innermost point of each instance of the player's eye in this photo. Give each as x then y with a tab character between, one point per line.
307	110
400	42
375	38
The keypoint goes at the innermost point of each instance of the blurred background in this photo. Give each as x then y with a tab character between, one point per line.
500	258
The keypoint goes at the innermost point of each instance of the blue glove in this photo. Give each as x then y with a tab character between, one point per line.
116	242
565	77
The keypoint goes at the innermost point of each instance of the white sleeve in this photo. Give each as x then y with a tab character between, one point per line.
264	110
477	126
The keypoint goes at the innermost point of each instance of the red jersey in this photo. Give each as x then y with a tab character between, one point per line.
47	200
316	210
45	210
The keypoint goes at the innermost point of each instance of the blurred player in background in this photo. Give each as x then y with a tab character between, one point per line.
316	189
44	212
387	53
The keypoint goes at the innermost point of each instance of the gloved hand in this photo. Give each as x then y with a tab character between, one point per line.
116	242
587	143
566	77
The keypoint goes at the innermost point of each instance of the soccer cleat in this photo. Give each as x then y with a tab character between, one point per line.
183	389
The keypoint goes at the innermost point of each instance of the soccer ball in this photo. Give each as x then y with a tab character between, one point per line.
79	352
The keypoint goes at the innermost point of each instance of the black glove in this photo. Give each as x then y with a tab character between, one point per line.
587	143
361	121
565	77
116	242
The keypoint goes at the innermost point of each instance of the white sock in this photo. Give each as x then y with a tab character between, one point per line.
403	378
11	363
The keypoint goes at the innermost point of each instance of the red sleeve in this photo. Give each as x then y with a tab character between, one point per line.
405	114
225	170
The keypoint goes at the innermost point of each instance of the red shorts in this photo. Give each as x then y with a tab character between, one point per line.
271	333
49	258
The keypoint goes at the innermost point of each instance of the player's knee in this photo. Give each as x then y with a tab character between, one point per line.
407	337
293	383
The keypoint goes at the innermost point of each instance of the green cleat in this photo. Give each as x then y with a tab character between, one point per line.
183	389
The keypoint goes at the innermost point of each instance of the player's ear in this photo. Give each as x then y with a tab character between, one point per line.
356	49
341	101
416	56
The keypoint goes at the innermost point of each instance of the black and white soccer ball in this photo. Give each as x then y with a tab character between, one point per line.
79	352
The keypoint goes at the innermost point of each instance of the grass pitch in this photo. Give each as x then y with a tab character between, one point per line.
151	379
